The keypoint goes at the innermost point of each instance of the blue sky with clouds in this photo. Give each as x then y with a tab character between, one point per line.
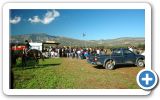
96	24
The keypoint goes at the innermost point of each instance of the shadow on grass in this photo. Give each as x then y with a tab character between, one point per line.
116	67
39	66
99	67
47	65
124	66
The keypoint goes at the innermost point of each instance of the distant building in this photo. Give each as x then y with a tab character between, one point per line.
51	42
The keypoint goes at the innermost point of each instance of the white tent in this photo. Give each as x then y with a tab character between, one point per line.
37	46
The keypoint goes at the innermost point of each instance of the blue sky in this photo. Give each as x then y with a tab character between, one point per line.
96	24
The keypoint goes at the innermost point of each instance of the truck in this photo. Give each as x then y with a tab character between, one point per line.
120	56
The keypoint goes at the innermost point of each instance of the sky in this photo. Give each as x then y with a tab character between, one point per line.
83	24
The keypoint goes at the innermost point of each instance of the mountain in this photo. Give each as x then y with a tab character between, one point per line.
64	41
35	37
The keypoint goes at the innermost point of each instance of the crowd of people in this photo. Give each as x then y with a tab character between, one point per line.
137	50
72	52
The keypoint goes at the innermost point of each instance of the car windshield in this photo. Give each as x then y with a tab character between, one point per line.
128	52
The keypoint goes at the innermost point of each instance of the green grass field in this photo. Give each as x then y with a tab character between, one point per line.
67	73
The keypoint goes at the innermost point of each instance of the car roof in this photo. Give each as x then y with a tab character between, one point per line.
119	49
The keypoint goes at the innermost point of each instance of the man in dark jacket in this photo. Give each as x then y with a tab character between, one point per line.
28	46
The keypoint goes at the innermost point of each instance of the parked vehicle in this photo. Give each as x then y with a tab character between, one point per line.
117	57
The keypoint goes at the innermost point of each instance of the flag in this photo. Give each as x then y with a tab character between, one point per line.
84	35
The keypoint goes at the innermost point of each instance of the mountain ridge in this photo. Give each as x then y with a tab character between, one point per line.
66	41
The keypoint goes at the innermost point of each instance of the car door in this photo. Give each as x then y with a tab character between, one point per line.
129	57
117	56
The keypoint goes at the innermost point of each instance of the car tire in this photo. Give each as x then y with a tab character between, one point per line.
110	65
140	63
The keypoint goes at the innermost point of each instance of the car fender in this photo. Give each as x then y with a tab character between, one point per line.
138	59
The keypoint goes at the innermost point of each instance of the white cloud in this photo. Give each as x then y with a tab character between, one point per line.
48	17
15	20
35	19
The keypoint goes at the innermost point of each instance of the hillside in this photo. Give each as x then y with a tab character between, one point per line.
42	37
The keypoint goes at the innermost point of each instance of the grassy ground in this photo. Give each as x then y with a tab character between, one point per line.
64	73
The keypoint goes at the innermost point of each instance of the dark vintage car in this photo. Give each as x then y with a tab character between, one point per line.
117	57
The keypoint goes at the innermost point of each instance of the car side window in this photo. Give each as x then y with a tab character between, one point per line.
117	53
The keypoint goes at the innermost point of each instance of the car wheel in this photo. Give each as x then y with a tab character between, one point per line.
110	65
140	63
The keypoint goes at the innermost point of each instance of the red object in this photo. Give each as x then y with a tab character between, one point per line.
18	47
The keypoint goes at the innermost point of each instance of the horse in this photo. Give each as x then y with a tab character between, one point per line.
31	54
